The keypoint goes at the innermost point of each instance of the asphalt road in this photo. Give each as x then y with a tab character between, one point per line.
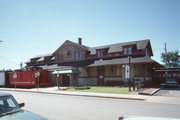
169	92
64	107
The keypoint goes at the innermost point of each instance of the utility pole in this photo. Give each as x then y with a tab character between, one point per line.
129	80
165	62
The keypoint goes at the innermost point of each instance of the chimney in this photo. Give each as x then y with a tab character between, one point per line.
80	41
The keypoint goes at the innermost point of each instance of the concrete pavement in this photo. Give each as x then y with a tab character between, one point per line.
54	90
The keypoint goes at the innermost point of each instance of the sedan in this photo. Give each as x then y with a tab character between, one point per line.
11	110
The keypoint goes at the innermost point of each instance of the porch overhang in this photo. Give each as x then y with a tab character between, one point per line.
66	72
121	61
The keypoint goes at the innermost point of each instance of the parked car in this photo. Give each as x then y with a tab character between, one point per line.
144	118
171	83
11	110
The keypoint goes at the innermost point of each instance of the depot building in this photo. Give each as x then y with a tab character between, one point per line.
75	64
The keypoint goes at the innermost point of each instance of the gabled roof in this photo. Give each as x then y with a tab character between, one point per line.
81	46
39	58
141	44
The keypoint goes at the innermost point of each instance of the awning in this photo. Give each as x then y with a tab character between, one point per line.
66	72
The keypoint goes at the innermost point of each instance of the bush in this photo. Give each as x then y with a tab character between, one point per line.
82	88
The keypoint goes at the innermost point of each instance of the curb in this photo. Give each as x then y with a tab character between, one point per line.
75	94
155	91
150	94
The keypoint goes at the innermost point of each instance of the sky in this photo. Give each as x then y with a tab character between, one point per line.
35	27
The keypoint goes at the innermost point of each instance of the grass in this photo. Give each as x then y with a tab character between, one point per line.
114	90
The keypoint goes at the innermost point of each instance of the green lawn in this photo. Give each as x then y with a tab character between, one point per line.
115	90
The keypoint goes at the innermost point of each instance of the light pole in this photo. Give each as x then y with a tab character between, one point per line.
57	81
128	72
57	78
129	80
165	62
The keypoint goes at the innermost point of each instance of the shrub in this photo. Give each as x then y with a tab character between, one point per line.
82	88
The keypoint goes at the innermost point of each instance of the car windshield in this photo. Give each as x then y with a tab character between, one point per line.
8	105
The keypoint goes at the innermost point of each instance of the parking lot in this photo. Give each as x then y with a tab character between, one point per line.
170	92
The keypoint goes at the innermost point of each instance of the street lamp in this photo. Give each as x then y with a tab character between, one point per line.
57	79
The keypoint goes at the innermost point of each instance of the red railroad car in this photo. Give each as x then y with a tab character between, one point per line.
37	78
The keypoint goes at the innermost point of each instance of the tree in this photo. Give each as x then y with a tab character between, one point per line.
21	65
173	59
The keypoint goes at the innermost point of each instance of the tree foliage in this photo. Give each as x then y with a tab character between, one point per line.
173	59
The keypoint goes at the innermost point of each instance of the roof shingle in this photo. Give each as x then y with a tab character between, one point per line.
119	47
122	61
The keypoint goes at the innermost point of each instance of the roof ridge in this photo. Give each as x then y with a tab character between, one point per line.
122	43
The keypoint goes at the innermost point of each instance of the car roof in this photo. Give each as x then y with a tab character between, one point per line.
4	94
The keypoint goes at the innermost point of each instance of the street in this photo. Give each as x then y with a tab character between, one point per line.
64	107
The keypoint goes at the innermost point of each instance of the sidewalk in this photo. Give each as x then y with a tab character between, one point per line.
147	91
54	90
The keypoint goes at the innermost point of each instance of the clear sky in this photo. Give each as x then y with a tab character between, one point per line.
33	27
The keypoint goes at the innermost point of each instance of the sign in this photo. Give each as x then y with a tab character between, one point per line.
14	76
101	77
127	72
37	74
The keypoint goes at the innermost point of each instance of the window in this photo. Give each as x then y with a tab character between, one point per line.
78	55
7	104
92	72
68	53
130	50
127	51
62	57
100	53
114	70
81	54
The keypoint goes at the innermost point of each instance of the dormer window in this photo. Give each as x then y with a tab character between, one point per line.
130	50
100	53
127	50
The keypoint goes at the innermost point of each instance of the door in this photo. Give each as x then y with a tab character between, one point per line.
100	76
65	80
